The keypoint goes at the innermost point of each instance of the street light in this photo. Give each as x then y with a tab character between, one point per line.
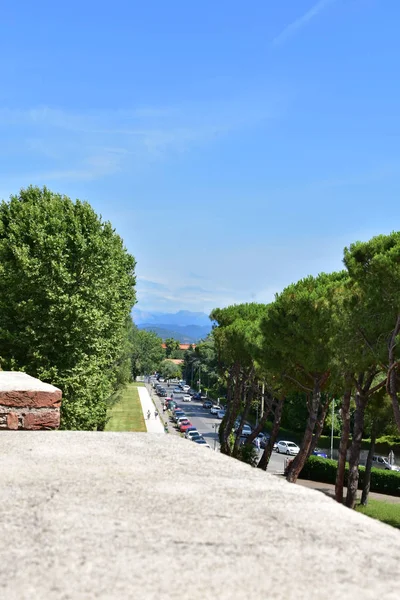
215	426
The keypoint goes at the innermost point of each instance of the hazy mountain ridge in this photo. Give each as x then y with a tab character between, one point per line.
180	318
185	326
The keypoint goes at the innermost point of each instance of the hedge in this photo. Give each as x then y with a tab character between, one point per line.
324	470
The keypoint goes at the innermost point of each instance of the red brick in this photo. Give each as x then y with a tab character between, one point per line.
24	399
42	419
12	420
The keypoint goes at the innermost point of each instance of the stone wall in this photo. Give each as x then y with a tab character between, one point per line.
28	403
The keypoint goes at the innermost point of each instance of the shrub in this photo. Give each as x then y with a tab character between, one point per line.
324	470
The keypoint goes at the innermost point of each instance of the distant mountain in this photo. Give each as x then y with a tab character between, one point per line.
186	334
180	318
186	326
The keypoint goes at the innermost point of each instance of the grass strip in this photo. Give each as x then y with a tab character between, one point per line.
382	511
126	414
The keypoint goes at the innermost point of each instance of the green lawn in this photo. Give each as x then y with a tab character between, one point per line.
383	511
126	415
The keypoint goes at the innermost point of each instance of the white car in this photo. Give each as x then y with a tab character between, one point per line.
187	398
161	379
215	409
284	447
186	388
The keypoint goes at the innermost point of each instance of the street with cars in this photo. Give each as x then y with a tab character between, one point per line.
197	418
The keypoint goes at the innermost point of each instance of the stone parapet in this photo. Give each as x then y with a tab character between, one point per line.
28	403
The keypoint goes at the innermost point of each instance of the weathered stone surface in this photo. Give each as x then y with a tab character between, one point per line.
122	512
12	420
42	419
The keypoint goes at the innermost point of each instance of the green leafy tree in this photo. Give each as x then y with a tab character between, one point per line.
296	332
171	346
375	267
66	292
147	352
169	369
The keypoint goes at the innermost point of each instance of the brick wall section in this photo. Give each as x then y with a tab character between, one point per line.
28	403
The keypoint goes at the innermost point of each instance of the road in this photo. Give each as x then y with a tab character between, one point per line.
207	424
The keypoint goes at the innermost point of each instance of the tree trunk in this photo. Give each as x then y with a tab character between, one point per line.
300	459
344	442
264	460
368	466
247	405
319	425
235	386
352	484
391	384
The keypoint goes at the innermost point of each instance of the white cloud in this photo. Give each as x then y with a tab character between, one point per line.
299	23
97	143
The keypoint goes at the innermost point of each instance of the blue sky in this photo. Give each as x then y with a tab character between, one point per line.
235	146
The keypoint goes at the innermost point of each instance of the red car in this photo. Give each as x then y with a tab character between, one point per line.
184	426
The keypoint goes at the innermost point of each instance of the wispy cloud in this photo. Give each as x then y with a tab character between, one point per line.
290	29
66	144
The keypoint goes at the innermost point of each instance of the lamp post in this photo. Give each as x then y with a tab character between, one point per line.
215	425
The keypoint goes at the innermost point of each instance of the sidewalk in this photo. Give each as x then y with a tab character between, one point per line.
165	417
329	490
153	425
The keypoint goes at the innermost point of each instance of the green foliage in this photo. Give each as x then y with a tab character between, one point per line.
324	470
66	292
248	454
171	346
294	414
147	352
169	370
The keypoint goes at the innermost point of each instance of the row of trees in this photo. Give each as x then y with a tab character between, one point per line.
325	337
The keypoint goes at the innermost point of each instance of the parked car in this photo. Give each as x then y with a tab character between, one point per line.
161	379
243	440
193	435
202	442
181	420
177	390
207	404
191	431
178	415
187	398
221	414
247	430
284	447
192	392
318	452
381	462
170	404
214	409
184	426
264	440
186	388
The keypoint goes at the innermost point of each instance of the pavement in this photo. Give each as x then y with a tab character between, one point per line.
154	424
329	490
105	515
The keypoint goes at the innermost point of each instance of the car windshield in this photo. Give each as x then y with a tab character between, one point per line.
292	445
